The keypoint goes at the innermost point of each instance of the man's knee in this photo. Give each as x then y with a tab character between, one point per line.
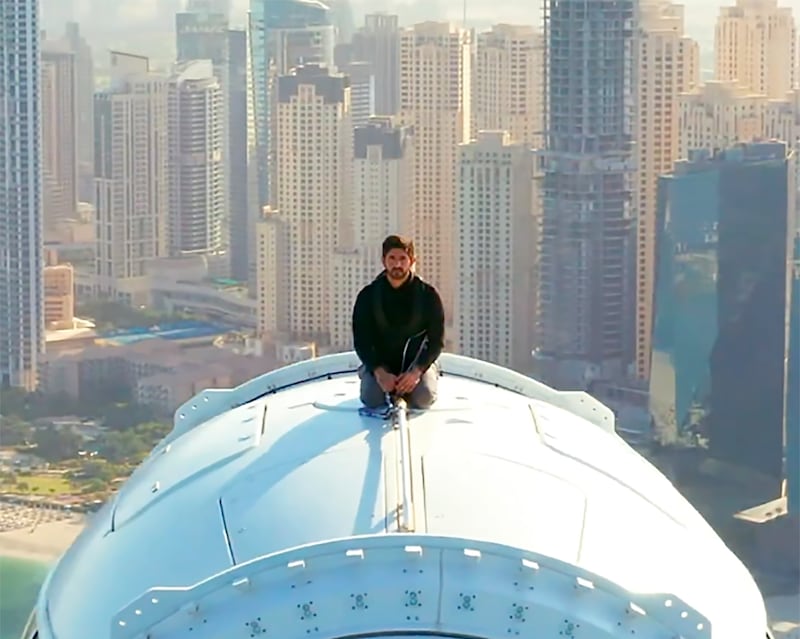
372	396
425	393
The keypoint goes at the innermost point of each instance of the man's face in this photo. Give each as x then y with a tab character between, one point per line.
397	264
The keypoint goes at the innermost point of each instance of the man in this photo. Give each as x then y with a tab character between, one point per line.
398	331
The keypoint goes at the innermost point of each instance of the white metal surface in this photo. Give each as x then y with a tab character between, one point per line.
415	583
212	402
400	422
495	470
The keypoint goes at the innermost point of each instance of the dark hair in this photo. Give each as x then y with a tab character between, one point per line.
397	242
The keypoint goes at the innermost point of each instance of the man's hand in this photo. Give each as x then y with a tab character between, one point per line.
407	382
386	380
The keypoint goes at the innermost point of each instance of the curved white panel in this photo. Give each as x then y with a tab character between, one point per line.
418	583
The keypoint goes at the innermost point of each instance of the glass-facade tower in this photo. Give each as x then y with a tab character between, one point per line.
21	286
282	35
721	329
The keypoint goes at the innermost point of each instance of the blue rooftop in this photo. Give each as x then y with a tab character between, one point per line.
182	330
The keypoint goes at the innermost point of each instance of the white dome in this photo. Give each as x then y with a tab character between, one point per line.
272	510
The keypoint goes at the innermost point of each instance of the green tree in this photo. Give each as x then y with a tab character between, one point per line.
98	469
56	444
15	431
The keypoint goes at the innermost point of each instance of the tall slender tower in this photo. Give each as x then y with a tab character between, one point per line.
59	133
197	153
507	83
667	65
435	97
378	43
586	296
282	35
201	33
21	296
313	196
84	129
131	127
494	233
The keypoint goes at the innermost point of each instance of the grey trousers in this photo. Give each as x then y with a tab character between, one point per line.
423	396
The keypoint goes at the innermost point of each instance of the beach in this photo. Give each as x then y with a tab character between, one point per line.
36	533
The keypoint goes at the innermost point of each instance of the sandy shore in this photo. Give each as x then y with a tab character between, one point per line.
46	542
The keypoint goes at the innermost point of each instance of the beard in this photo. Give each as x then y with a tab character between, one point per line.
398	273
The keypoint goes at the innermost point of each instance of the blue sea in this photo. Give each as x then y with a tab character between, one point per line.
19	584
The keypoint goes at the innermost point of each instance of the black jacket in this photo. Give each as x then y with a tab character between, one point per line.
394	328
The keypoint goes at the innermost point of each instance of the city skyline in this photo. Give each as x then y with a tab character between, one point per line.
248	180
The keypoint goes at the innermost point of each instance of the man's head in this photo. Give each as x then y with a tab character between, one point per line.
398	258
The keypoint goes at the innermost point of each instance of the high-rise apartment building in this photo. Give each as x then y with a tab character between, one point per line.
239	211
508	82
84	128
381	204
586	272
435	98
198	198
282	35
717	115
201	33
495	235
668	64
315	149
378	43
21	296
362	91
59	133
132	177
755	45
725	233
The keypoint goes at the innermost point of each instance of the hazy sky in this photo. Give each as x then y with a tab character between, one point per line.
99	17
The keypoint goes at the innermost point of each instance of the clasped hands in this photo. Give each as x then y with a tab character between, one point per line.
399	384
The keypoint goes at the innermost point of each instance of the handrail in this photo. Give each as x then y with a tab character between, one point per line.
400	422
212	402
467	586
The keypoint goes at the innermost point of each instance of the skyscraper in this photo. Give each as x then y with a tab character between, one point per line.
495	236
755	45
381	204
508	82
720	343
21	292
84	91
378	43
59	133
756	217
201	33
667	66
717	115
313	195
198	199
131	129
239	211
282	35
435	98
586	295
